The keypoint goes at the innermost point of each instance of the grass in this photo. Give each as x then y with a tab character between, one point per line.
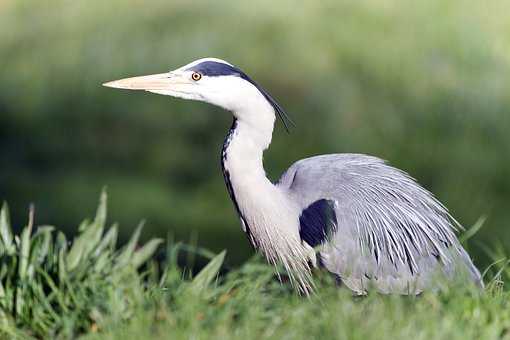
249	303
51	288
250	306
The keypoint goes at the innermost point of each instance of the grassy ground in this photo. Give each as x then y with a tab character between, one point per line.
249	304
51	288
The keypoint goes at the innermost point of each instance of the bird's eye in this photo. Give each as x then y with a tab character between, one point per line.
196	76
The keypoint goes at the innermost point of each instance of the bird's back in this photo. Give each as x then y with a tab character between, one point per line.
390	233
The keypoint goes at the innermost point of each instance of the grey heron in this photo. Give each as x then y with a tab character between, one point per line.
367	222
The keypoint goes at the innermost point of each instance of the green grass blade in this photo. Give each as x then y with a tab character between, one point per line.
143	254
124	257
41	243
62	268
24	253
101	212
109	240
90	236
102	261
75	254
473	230
208	273
5	230
93	234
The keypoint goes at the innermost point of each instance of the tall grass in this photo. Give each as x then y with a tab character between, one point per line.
53	288
249	303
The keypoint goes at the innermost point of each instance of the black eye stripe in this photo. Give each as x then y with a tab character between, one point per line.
216	69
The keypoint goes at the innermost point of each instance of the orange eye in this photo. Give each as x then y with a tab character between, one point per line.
196	76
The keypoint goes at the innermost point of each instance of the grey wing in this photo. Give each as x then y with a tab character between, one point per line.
390	233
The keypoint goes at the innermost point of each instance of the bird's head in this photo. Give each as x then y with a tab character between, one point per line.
210	80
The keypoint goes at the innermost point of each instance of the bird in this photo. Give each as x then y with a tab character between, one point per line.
369	224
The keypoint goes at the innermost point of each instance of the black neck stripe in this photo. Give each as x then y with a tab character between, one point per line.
228	183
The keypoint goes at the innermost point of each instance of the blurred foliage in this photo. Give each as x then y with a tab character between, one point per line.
421	84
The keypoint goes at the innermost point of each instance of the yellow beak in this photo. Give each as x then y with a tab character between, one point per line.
153	82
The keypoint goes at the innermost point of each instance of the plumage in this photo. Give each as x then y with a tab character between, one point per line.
368	223
318	222
391	233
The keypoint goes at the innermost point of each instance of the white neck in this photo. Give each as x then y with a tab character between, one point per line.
268	215
245	177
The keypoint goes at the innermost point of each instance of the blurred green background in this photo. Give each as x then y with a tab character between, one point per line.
423	84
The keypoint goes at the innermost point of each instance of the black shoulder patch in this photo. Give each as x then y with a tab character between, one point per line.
317	222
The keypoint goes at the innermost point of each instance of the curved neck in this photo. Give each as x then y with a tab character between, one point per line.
244	147
249	136
268	215
242	163
255	124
